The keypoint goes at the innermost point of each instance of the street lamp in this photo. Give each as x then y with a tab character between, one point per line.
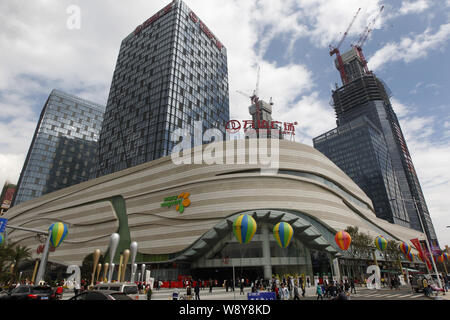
426	237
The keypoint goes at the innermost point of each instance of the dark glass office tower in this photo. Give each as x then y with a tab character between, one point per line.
64	146
171	71
367	96
359	149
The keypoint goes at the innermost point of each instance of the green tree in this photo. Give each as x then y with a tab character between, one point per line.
360	248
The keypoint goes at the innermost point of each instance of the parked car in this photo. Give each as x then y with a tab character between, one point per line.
101	295
128	288
29	292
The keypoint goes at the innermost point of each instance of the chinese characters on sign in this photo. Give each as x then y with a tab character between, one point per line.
234	126
152	19
181	201
205	29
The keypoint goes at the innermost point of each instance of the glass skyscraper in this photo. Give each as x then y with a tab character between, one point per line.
367	96
171	71
64	146
359	149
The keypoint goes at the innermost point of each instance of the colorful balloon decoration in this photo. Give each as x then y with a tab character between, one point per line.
343	240
410	256
283	233
381	243
441	258
445	256
58	231
244	228
404	248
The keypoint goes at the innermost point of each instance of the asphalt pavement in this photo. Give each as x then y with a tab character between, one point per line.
362	293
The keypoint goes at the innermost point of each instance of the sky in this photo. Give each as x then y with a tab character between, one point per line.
288	39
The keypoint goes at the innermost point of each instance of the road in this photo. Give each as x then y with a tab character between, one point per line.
361	294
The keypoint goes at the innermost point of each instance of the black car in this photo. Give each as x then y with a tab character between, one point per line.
28	292
101	295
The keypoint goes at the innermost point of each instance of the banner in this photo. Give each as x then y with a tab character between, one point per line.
261	296
422	254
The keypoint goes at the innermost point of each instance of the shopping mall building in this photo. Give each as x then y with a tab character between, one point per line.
308	191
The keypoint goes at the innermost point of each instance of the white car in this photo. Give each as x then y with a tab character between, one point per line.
129	288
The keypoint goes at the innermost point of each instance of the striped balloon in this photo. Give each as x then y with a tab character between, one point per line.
441	258
343	239
58	231
445	256
283	233
410	256
381	243
405	248
244	228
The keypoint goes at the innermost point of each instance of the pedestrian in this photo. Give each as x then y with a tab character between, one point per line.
426	287
210	286
197	292
188	292
76	287
352	286
319	292
309	282
296	293
241	286
59	291
346	286
284	292
149	293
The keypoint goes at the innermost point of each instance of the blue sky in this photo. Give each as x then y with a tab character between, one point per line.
288	39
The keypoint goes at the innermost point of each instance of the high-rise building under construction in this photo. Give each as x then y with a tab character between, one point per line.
368	144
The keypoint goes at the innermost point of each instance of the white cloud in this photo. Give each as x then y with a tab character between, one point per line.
414	6
411	48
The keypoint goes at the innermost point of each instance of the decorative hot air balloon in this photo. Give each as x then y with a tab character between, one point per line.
343	239
381	243
283	233
445	256
410	256
244	228
405	248
58	231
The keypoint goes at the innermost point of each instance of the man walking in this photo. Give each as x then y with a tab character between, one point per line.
319	292
197	292
352	286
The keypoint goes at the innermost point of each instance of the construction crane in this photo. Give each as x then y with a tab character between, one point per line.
254	98
335	50
363	37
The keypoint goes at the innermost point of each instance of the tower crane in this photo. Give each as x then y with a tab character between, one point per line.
363	37
335	50
255	96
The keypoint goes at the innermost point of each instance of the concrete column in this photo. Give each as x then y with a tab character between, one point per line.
266	252
335	267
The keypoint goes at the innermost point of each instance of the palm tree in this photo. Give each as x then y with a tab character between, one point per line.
20	253
6	259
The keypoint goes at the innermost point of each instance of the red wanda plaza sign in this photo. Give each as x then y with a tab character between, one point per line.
152	19
205	29
234	126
